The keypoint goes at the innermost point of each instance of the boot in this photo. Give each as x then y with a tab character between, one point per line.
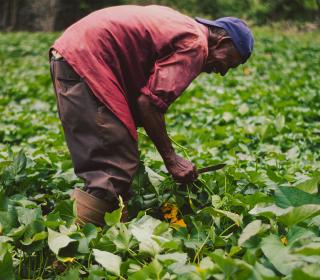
91	209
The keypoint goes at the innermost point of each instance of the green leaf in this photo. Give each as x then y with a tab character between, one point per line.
291	196
37	237
298	234
57	240
143	230
71	274
109	261
252	200
279	122
83	244
173	257
278	254
250	230
293	153
310	185
263	272
288	216
120	236
151	271
90	231
243	109
206	264
67	211
309	249
268	211
8	219
3	201
310	272
299	214
115	216
6	267
232	268
19	162
217	212
27	216
54	220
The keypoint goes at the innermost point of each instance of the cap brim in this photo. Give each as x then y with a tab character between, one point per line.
208	22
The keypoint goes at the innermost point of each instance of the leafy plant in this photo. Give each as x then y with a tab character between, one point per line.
258	218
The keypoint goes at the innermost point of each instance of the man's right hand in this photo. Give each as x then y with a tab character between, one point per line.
182	170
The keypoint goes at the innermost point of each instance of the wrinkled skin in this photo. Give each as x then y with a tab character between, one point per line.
182	170
221	57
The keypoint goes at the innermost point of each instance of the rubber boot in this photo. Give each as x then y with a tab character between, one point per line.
91	209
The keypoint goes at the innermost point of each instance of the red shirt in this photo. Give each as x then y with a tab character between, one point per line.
124	51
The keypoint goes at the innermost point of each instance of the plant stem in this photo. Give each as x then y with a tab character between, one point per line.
29	267
221	234
44	267
202	245
184	150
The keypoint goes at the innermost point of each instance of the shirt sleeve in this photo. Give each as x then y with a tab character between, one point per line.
173	74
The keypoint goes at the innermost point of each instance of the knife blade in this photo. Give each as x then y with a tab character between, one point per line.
211	168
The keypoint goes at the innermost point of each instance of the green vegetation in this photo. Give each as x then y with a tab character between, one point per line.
258	218
259	11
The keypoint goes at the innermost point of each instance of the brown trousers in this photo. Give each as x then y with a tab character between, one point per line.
103	152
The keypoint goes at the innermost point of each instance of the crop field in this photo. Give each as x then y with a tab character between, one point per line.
257	218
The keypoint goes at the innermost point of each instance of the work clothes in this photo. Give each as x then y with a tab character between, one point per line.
124	51
103	153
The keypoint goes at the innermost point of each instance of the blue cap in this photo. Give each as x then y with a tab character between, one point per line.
239	32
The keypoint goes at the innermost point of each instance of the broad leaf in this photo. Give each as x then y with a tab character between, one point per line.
217	212
173	257
7	270
143	230
120	236
115	216
291	196
299	214
309	249
269	211
278	254
310	185
109	261
250	230
57	240
279	122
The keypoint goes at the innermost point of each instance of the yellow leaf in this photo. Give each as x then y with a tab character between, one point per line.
167	216
179	223
284	240
65	260
199	269
246	71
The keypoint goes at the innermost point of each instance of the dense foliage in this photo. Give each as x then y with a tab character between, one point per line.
258	218
259	11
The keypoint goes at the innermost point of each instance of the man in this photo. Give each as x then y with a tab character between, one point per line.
121	67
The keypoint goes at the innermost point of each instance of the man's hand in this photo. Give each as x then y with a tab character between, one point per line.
182	170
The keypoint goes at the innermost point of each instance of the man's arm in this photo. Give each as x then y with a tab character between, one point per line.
154	124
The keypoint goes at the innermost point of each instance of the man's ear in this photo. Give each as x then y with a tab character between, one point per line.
223	42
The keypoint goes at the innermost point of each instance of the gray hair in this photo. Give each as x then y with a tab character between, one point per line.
215	34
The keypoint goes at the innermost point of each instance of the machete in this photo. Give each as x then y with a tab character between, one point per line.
211	168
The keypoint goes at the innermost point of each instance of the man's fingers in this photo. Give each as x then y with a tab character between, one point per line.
187	178
183	171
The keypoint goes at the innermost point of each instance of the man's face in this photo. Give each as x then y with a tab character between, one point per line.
222	57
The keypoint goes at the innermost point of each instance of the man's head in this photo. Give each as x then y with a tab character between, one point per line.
230	44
